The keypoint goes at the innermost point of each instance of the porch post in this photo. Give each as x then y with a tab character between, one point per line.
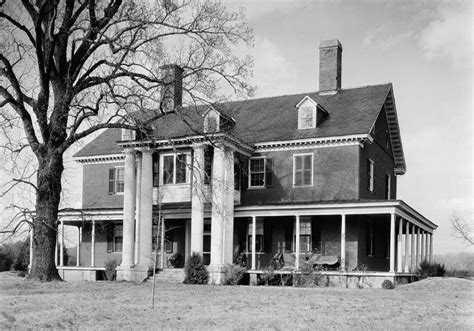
417	249
138	217
413	253
56	256
129	200
146	210
61	245
31	246
78	247
254	246
162	255
93	244
399	245
297	242
343	242
218	210
197	199
407	246
392	242
228	255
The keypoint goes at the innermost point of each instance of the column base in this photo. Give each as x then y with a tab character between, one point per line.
132	273
216	275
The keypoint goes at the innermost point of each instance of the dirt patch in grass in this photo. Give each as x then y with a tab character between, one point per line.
429	304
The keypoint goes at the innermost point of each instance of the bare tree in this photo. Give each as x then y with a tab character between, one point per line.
462	230
71	68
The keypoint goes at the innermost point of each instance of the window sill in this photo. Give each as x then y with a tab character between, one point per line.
250	188
298	186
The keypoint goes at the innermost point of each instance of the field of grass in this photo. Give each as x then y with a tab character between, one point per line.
436	303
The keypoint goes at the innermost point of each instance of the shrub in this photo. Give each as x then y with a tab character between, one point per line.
6	260
427	269
233	274
387	284
309	277
195	271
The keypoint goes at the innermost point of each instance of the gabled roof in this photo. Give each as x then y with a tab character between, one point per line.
350	112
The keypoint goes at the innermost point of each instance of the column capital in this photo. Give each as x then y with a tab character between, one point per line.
199	145
129	151
146	150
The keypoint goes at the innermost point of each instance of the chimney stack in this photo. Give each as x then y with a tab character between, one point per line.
330	65
172	89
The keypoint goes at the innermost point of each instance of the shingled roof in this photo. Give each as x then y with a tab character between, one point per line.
351	111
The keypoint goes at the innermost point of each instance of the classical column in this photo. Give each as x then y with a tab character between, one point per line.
343	242
197	199
78	247
162	238
407	246
297	242
392	242
93	244
138	203
56	256
417	248
61	246
218	207
431	248
229	207
146	210
413	252
254	245
422	248
129	200
400	245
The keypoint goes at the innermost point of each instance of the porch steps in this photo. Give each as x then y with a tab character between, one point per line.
170	275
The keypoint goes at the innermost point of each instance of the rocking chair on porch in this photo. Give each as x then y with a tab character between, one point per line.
174	261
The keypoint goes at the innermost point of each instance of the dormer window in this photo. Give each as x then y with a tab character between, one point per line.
310	114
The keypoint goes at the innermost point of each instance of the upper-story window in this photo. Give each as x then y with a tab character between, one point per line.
260	172
302	169
116	180
174	169
370	175
307	117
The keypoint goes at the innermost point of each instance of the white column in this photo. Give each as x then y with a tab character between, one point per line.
417	248
392	242
407	246
218	207
197	199
229	207
431	248
56	256
93	244
138	210
146	210
31	246
399	245
254	245
61	246
413	252
162	253
422	246
129	200
343	242
78	247
297	242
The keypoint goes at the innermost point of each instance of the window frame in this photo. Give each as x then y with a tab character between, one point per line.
113	182
162	173
303	170
260	172
306	224
117	229
300	117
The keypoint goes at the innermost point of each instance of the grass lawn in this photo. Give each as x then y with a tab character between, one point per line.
437	303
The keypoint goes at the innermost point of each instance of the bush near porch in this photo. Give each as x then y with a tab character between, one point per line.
436	303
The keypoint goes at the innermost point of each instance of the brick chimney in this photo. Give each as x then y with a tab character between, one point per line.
172	89
330	65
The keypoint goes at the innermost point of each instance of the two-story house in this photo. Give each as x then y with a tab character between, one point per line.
276	181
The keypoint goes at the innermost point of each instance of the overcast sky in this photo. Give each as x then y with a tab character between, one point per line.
423	47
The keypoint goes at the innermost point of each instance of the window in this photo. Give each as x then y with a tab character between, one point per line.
128	134
305	235
306	117
174	169
116	180
258	236
387	186
370	175
303	170
370	240
156	170
260	172
118	238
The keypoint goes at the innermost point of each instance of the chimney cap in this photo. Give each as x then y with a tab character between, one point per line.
330	43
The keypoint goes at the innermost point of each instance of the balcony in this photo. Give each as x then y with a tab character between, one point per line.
182	193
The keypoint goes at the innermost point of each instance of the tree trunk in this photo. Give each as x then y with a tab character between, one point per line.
45	225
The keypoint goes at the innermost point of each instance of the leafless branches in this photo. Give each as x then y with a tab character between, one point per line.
462	230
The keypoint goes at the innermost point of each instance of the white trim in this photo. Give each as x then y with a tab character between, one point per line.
371	176
312	169
388	187
306	98
112	158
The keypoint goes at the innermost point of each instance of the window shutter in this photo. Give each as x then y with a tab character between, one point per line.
269	172
111	180
156	169
110	237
